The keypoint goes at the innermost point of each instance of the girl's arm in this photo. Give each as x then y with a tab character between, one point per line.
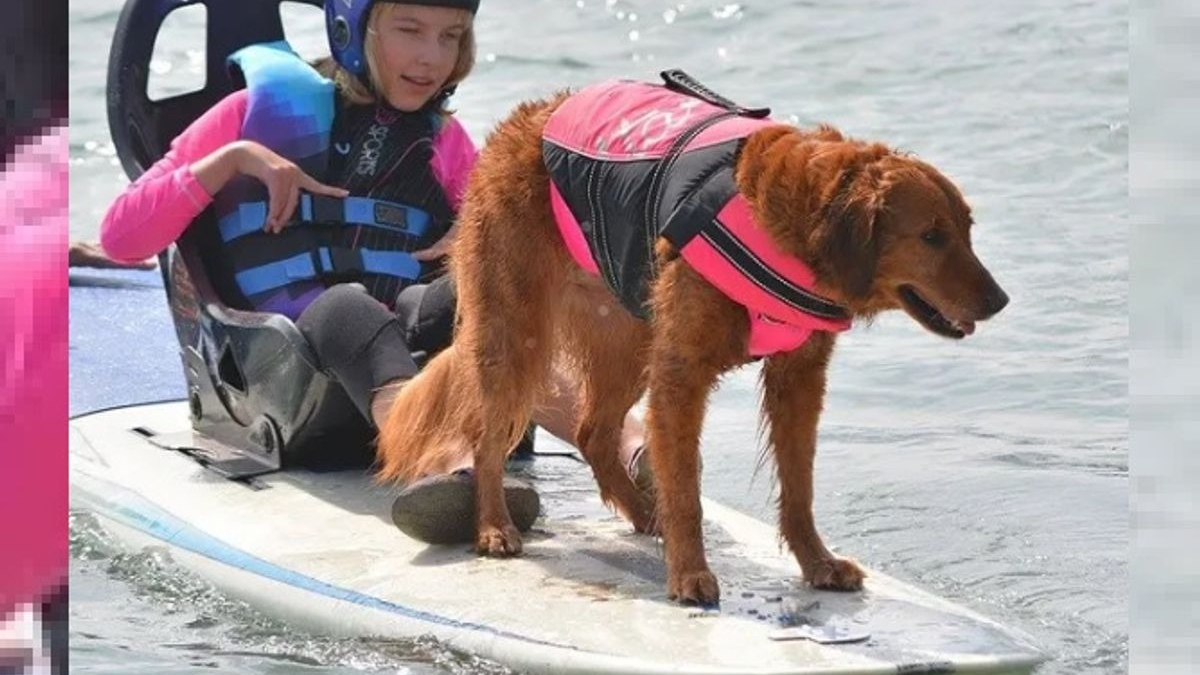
156	209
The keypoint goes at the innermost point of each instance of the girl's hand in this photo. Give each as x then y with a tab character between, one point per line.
284	181
440	248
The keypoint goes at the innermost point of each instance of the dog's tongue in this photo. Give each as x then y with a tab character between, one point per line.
967	327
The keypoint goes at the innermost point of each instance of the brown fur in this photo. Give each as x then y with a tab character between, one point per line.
856	212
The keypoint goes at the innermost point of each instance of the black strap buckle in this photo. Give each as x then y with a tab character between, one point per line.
341	260
328	209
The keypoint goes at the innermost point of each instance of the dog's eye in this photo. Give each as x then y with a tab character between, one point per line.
933	237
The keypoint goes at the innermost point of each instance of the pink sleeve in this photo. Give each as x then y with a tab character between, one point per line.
453	158
156	209
33	369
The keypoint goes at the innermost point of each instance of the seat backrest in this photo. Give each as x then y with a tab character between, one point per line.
142	129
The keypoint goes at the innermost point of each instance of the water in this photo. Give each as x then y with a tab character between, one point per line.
992	471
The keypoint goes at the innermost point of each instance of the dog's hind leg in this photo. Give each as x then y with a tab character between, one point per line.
793	391
607	347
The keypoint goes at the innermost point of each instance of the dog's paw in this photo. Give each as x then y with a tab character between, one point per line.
699	588
498	542
835	574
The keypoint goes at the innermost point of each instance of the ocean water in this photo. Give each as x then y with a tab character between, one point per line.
993	471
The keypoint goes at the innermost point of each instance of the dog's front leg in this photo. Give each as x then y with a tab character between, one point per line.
679	391
793	393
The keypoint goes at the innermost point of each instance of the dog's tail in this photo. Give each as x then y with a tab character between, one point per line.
429	427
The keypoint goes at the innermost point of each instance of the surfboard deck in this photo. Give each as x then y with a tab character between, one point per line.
588	595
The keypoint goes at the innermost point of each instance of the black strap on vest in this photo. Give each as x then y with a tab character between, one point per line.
757	271
682	230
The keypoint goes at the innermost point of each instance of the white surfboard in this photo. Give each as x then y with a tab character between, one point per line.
588	595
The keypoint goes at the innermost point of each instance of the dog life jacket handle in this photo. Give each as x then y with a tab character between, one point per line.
677	80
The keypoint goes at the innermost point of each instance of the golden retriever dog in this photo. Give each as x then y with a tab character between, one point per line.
875	228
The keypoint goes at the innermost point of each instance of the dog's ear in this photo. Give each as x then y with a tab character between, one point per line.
845	242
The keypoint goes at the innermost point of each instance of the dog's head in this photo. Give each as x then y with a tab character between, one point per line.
880	229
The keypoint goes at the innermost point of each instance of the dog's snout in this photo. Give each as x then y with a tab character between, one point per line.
995	301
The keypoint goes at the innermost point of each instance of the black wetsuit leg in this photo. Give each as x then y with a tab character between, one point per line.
363	345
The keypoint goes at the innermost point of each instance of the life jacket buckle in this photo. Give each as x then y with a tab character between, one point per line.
344	261
327	209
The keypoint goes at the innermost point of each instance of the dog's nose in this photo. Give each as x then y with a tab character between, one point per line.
996	301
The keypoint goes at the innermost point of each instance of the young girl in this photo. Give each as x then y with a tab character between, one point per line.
373	125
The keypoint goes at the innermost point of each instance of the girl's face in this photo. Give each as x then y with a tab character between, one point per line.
415	50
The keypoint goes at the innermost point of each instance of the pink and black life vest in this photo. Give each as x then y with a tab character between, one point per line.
630	162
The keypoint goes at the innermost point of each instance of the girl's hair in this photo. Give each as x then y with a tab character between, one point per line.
360	93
